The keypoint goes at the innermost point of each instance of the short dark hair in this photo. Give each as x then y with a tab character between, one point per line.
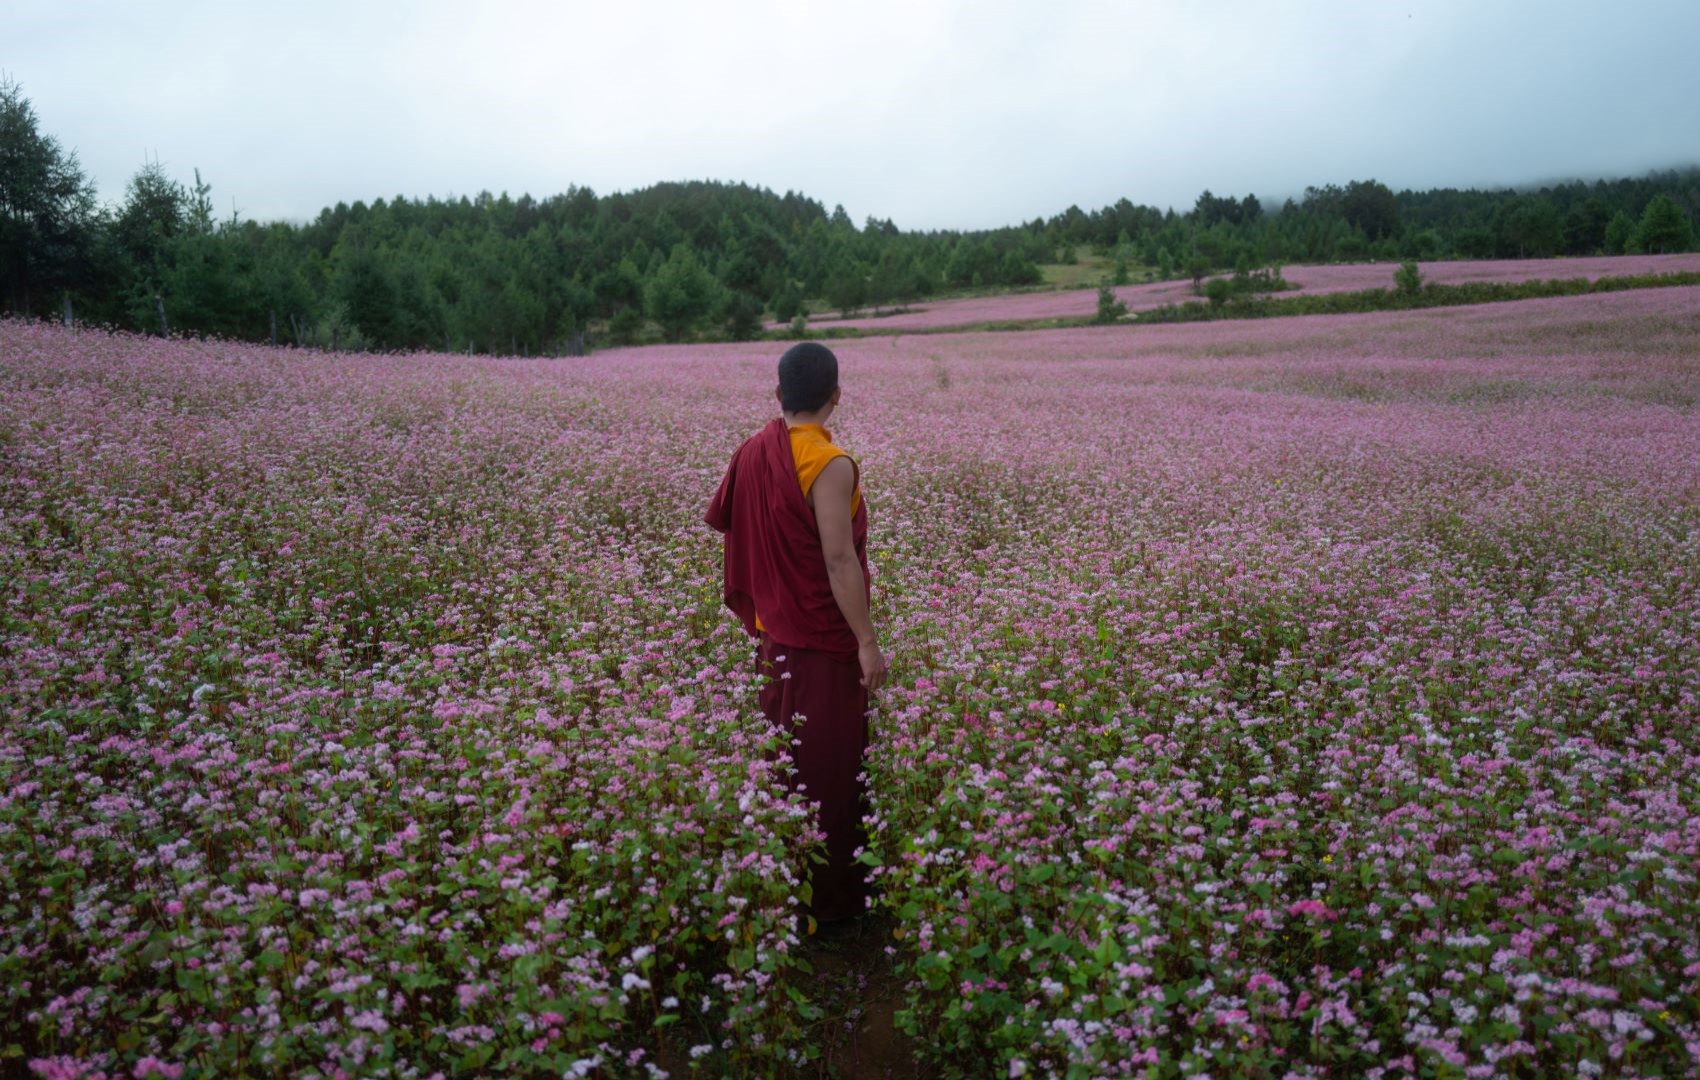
808	374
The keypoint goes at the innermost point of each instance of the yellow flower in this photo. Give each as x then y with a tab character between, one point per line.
1328	858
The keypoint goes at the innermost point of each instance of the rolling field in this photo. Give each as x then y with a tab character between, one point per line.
1308	697
1038	306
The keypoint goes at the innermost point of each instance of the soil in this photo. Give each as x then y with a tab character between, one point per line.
854	983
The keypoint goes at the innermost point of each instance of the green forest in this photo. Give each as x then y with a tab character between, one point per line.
691	260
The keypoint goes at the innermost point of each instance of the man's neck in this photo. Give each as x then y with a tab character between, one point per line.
798	419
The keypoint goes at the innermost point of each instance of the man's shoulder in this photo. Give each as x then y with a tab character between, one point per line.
748	448
837	475
765	431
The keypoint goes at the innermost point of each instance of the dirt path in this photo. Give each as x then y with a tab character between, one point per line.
855	987
853	982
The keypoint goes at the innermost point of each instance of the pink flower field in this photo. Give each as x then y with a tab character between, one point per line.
1308	697
1077	303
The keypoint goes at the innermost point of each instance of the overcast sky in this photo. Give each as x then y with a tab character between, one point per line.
934	114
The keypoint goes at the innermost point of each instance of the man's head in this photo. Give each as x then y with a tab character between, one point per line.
808	378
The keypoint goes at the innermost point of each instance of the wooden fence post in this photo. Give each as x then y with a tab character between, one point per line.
68	319
274	327
159	306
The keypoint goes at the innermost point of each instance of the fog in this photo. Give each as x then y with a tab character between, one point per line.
935	115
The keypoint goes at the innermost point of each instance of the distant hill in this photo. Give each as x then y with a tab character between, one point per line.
685	260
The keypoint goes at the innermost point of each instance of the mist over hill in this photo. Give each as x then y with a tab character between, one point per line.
690	260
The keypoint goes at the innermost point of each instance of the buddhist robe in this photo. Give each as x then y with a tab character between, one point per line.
775	581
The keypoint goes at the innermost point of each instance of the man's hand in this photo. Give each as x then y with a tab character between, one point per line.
873	665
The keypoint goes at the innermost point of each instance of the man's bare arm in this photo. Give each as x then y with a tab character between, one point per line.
831	497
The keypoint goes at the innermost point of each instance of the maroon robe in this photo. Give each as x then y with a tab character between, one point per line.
774	565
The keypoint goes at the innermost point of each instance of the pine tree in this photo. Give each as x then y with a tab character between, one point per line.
1664	228
1110	308
1620	232
48	211
681	294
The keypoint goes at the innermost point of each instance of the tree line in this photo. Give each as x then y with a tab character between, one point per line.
683	261
1366	220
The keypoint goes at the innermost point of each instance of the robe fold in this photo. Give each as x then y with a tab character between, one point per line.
818	698
771	548
805	650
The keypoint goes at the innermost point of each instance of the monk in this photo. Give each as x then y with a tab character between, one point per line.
796	574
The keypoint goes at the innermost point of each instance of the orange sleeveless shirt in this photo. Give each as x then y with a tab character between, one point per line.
812	450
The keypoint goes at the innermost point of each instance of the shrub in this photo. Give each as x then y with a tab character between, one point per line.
1408	279
1110	308
1196	267
743	317
625	327
787	302
337	330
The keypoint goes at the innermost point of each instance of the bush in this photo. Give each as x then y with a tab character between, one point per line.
1217	290
743	317
787	302
1408	279
1266	279
336	330
1110	308
1196	267
625	327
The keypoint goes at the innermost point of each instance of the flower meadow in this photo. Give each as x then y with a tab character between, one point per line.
1315	279
1309	697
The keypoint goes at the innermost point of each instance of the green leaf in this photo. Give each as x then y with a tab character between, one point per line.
476	1057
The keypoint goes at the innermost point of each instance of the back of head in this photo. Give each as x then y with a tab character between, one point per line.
808	374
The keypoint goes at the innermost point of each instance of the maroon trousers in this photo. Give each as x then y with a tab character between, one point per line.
819	700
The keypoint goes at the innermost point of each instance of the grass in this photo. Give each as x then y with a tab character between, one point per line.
1090	270
1430	295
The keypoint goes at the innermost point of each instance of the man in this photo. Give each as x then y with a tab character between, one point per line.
796	574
